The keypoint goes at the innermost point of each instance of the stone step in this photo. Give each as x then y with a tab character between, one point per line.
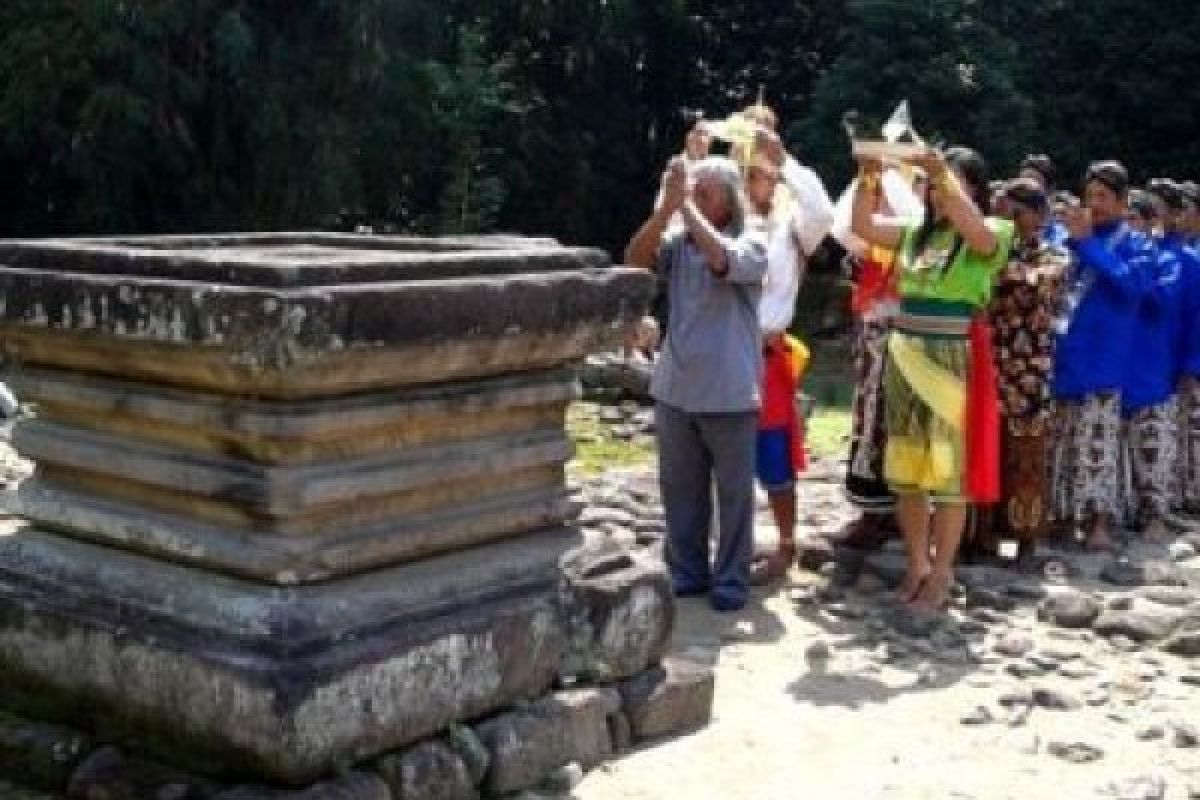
292	432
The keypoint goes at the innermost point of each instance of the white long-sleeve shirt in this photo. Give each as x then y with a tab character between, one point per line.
792	242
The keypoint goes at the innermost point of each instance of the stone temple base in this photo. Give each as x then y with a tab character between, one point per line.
269	681
292	706
300	499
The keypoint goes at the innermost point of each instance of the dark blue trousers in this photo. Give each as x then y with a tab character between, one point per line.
694	451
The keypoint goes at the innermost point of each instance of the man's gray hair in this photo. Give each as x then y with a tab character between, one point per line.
726	172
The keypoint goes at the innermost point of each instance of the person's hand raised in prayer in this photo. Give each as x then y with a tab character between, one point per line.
675	185
768	143
698	142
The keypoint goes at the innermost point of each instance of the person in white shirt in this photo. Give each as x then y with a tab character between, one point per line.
797	213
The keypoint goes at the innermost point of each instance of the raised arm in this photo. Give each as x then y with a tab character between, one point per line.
958	207
642	250
813	217
863	221
1127	273
737	260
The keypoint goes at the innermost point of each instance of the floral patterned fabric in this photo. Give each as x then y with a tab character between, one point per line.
1023	308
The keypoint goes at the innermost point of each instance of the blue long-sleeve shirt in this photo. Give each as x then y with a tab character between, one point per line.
1108	280
1189	333
1152	370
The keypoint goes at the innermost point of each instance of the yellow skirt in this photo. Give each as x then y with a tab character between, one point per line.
925	397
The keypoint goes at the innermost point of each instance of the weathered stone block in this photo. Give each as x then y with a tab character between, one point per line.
527	745
1144	622
108	775
587	714
44	756
621	611
297	315
667	700
430	771
353	786
226	675
300	498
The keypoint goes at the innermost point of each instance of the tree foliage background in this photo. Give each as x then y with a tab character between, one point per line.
539	116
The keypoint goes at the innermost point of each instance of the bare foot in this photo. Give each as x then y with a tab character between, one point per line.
1156	531
910	587
768	569
1099	541
934	593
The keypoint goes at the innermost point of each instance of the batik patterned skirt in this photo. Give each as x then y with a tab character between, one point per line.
1087	466
865	484
1189	445
1152	458
1025	504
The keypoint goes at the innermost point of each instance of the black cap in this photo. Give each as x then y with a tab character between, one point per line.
1028	193
1110	173
1168	191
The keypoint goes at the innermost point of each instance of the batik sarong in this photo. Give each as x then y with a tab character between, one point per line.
1189	445
1088	458
1025	504
865	484
1153	453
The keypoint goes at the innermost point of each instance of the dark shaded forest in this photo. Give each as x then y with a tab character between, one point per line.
540	116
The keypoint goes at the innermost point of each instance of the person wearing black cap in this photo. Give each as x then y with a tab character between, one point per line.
1022	312
1148	398
1189	389
1103	291
1041	170
1177	212
1142	214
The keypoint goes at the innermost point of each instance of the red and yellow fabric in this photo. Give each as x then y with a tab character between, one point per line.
785	360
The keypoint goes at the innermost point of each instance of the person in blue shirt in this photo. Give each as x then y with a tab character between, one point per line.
1103	292
1142	215
1149	400
1187	243
1041	170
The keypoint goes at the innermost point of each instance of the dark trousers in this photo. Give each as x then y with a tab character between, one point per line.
693	451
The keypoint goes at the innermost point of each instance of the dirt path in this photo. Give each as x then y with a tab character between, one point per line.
883	715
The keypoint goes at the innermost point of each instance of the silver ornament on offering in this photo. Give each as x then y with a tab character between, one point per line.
900	142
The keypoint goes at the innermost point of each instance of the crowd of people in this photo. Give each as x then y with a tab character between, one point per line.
1028	361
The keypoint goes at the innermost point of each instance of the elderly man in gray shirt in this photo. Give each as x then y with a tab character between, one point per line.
706	383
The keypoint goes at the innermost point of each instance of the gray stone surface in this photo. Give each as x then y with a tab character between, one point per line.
1145	622
300	498
527	745
1185	643
1070	608
621	612
43	755
312	669
352	786
304	313
429	771
671	699
107	774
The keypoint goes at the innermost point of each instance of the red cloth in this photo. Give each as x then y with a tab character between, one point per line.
982	479
874	285
780	379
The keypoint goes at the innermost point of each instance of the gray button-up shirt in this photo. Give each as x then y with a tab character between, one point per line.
711	361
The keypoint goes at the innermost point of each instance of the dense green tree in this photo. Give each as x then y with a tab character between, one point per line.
540	116
956	69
